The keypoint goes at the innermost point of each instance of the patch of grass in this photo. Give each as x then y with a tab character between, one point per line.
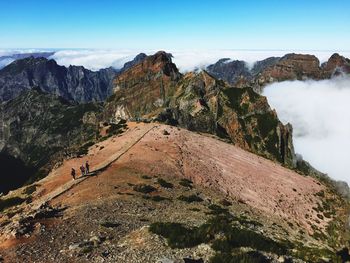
179	236
84	149
164	183
225	202
144	188
218	230
186	183
30	189
236	237
155	198
217	210
10	202
190	198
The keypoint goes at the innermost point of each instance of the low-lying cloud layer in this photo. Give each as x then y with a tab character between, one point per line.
320	114
186	60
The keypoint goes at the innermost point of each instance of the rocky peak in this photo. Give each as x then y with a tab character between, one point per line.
335	65
293	66
229	70
139	58
72	83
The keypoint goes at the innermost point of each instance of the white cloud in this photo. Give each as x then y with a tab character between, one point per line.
320	114
186	60
5	62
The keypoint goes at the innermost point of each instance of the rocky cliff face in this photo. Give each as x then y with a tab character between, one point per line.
230	71
288	67
5	60
36	127
336	65
154	89
73	83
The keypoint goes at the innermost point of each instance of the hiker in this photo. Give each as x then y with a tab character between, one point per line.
73	173
82	169
87	167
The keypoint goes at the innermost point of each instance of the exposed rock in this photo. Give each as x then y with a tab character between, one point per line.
38	126
139	58
288	67
229	70
72	83
336	65
154	89
291	67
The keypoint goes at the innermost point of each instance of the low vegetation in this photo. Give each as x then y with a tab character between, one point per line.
164	183
10	202
190	198
144	188
186	183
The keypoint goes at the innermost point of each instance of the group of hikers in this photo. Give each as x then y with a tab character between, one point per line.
84	169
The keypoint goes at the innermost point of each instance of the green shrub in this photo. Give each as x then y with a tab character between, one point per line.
190	199
146	177
30	189
144	188
217	210
164	183
186	183
156	198
84	149
225	202
9	202
179	236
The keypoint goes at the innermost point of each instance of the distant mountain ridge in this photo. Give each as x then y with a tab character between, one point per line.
289	67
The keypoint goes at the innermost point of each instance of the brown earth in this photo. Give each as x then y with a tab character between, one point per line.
258	188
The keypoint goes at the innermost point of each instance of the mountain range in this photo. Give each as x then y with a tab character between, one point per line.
174	155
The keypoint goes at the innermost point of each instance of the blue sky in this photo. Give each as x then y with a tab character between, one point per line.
196	24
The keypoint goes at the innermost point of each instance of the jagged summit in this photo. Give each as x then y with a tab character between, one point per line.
73	83
154	89
289	67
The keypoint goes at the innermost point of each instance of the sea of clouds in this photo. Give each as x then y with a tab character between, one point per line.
320	114
186	60
318	110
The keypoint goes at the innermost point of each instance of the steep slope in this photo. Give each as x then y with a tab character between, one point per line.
155	90
72	83
5	60
336	65
229	70
289	67
37	126
140	185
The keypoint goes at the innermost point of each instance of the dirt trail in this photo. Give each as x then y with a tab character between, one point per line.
100	156
262	184
255	186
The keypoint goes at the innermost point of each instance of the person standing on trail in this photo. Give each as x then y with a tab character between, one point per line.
73	173
82	169
87	167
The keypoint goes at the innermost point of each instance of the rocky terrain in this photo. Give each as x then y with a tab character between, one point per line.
7	59
288	67
74	83
155	90
185	168
154	176
37	127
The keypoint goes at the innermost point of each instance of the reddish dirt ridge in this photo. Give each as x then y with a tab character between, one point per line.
262	185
